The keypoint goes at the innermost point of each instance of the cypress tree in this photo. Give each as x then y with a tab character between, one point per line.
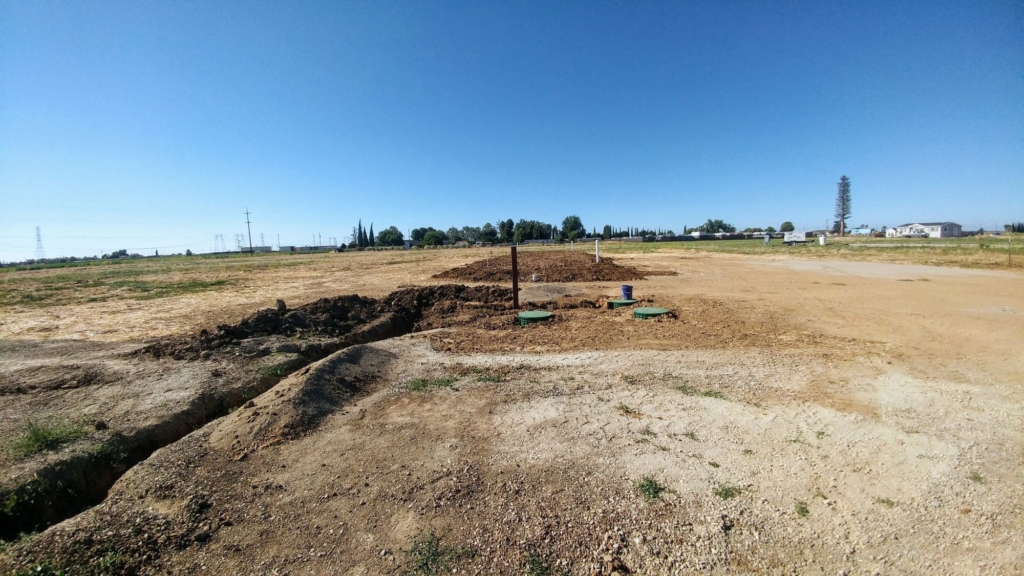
371	242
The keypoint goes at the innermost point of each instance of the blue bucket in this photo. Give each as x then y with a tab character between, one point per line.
627	292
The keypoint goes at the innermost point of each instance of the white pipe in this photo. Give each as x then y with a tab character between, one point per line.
597	250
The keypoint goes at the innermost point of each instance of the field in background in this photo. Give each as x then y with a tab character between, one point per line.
151	278
974	252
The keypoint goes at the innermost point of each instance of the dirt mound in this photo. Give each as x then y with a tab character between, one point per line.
349	319
549	267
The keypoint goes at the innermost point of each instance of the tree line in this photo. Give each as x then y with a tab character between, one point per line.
509	231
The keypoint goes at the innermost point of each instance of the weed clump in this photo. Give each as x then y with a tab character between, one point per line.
44	437
428	384
627	411
650	488
801	509
725	491
538	565
430	557
691	391
887	502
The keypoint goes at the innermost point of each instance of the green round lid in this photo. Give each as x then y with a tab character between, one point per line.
623	302
649	312
536	315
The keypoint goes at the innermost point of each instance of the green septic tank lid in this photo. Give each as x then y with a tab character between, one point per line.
613	304
645	313
531	316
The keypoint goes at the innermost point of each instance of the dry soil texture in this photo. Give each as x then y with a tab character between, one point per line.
789	418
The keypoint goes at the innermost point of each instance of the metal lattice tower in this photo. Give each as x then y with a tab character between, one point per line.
40	253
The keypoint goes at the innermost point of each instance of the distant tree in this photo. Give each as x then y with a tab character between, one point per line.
188	252
417	234
434	238
488	233
843	204
470	234
371	242
453	234
1017	227
770	230
390	236
786	226
606	233
715	226
573	224
509	228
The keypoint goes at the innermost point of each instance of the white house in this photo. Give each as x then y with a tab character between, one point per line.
923	229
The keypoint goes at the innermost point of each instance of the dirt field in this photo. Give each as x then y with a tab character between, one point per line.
791	416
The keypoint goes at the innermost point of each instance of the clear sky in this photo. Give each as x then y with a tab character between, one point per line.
154	125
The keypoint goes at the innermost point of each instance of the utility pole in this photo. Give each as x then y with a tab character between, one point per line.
249	228
278	241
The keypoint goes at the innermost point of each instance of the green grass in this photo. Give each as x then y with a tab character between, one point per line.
691	391
65	288
427	384
39	437
650	488
648	432
973	252
725	491
976	478
275	371
429	557
887	502
490	378
714	464
801	508
691	436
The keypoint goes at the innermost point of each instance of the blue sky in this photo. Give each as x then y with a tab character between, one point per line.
146	125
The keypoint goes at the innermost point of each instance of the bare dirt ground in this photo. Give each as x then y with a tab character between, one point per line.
790	418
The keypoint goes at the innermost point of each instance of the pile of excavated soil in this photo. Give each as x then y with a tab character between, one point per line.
349	319
549	267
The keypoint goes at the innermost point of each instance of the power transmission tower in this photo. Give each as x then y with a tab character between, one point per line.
261	239
40	253
249	228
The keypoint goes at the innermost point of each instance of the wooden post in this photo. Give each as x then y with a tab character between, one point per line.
515	279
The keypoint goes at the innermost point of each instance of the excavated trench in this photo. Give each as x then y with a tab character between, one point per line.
283	339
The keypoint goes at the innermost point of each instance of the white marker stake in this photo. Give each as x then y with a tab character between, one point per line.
597	250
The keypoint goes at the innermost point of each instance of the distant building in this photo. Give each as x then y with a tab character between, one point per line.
862	231
925	229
